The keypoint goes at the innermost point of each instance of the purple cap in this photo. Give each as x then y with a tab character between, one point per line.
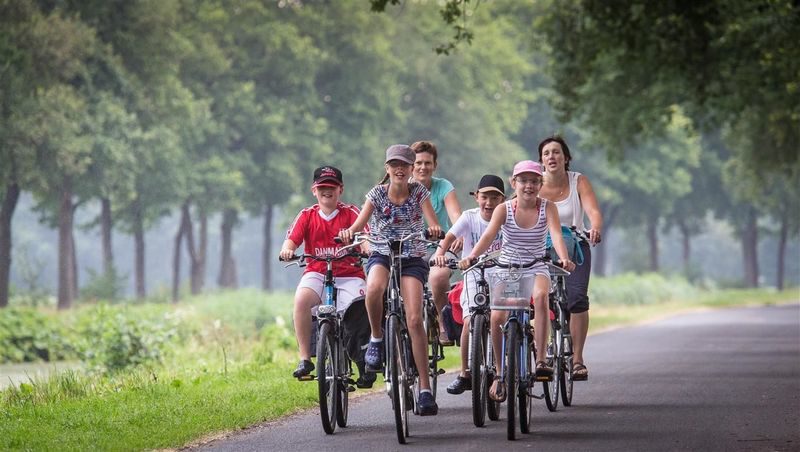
527	166
400	152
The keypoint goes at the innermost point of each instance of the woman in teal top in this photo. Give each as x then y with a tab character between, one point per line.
445	204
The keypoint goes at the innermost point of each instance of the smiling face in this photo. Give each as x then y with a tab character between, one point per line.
553	157
424	167
526	186
327	196
398	171
487	201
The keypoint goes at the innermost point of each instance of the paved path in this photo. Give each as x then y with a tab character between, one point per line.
724	380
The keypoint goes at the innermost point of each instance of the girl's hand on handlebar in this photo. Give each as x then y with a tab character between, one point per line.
346	235
435	233
286	254
567	265
467	262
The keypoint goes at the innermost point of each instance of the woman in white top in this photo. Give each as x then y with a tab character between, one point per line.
573	195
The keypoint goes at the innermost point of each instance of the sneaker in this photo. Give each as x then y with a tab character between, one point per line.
374	357
459	385
427	404
304	367
366	380
444	340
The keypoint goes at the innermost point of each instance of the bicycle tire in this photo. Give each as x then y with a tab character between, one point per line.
435	349
343	405
551	387
527	380
492	406
512	353
397	374
478	368
566	382
326	378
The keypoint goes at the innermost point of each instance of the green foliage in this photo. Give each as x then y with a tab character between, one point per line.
27	334
106	286
640	289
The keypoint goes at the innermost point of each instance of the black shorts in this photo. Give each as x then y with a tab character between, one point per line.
411	266
577	283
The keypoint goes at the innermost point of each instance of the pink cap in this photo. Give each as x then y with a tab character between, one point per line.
527	166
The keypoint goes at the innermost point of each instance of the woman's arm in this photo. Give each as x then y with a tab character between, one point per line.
554	225
434	229
452	206
592	209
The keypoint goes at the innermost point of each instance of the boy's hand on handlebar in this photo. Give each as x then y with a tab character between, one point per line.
439	260
286	254
346	235
457	246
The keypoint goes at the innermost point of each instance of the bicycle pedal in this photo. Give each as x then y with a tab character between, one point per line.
545	378
351	388
441	372
350	381
308	377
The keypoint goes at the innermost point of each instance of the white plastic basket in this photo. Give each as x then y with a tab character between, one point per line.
511	290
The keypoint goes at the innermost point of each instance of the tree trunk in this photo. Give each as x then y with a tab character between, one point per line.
652	238
266	249
784	235
600	253
105	228
199	269
227	271
750	249
74	262
686	245
188	229
6	213
65	267
138	238
176	261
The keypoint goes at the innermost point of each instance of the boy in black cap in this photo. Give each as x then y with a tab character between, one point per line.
316	226
471	225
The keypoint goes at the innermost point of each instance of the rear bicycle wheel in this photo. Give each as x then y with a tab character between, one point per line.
396	360
512	372
435	349
326	378
552	359
492	406
477	368
343	377
565	379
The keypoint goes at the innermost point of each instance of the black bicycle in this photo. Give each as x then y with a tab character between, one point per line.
559	348
481	354
430	319
400	372
334	367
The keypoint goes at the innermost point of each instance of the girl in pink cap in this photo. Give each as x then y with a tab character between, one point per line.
524	222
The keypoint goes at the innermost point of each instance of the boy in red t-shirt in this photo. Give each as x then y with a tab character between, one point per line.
316	227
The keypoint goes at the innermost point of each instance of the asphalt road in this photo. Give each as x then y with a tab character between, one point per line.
716	380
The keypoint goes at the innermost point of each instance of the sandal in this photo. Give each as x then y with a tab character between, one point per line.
580	372
498	391
543	370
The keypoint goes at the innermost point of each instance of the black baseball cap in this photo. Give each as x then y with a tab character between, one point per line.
327	176
490	182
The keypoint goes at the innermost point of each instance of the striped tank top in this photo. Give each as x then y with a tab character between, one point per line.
522	245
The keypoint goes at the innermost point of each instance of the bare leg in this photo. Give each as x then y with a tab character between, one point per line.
465	347
578	329
377	281
439	282
304	300
541	320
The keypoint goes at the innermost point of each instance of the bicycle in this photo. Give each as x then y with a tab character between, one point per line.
480	354
334	366
511	291
400	372
430	319
559	350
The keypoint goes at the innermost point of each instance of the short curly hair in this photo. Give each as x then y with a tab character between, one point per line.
425	146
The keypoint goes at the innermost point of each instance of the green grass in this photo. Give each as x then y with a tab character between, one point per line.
196	391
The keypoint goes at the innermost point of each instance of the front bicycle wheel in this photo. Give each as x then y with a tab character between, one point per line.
478	368
552	358
396	360
512	372
492	406
326	377
435	349
566	374
343	384
526	384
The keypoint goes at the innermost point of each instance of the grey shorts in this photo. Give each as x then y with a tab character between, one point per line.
578	283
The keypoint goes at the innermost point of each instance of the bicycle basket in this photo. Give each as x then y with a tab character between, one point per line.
511	290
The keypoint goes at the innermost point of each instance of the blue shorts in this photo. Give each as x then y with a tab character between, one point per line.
415	267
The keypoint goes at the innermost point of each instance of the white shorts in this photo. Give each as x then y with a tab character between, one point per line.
468	295
347	288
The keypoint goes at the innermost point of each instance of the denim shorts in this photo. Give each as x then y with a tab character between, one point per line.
411	266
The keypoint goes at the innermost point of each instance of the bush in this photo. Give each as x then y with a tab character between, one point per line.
636	289
27	335
105	286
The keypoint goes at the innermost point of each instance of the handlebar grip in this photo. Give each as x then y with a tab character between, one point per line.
338	240
293	258
439	237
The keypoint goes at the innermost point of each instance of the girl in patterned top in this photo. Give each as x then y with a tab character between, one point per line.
394	210
524	222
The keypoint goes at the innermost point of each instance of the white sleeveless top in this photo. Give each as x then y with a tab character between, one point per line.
570	210
524	244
